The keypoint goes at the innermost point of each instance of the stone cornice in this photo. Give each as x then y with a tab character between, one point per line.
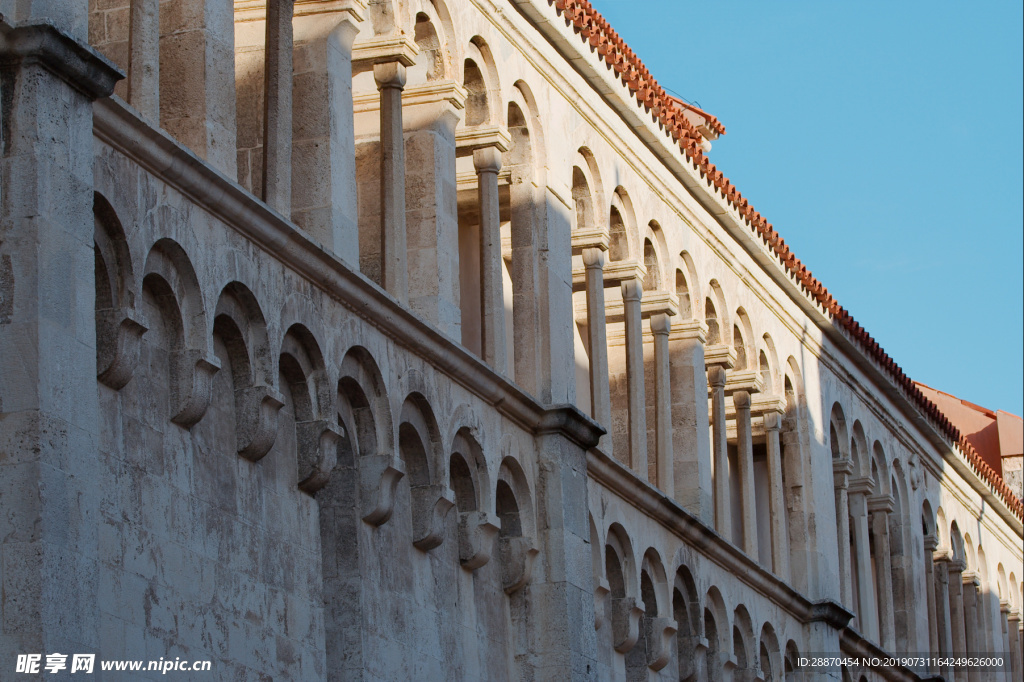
378	50
116	124
720	354
470	138
78	65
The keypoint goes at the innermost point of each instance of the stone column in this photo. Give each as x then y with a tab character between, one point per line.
956	609
866	619
841	470
50	431
323	195
197	80
929	585
971	634
277	107
777	496
1005	640
745	459
597	338
942	602
487	162
390	79
880	507
144	58
1013	630
723	512
661	326
690	441
632	293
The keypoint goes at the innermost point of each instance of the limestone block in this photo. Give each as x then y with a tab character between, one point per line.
118	339
317	452
256	408
625	623
516	556
378	483
660	641
477	531
430	506
192	373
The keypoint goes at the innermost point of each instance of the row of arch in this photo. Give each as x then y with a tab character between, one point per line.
343	417
656	618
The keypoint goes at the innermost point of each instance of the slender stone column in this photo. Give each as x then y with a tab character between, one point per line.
866	619
1013	630
277	108
956	609
942	601
745	457
597	338
841	470
723	512
632	293
1005	640
144	58
929	586
661	326
390	79
971	634
880	508
777	496
487	162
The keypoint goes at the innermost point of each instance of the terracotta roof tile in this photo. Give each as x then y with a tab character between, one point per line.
594	29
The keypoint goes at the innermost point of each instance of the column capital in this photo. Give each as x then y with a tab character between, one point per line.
594	257
661	324
660	302
970	578
618	271
632	290
487	160
389	75
690	329
355	8
716	376
720	354
942	555
930	543
956	565
772	420
741	399
842	467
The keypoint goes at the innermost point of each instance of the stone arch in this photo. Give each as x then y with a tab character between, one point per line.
792	660
655	259
956	543
687	612
650	650
837	433
770	656
719	633
587	184
487	99
743	639
242	346
421	452
119	327
859	451
516	540
880	469
471	482
693	307
622	232
743	341
768	364
173	291
717	315
309	407
901	561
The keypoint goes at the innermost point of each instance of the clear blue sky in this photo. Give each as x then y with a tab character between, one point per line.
884	142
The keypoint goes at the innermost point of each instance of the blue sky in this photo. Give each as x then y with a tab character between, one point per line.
884	142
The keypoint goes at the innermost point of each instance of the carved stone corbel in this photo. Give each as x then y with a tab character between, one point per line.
430	506
477	531
118	340
700	665
378	485
625	623
256	431
317	452
601	592
192	374
516	555
660	632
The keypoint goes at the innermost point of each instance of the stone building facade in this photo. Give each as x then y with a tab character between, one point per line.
419	339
